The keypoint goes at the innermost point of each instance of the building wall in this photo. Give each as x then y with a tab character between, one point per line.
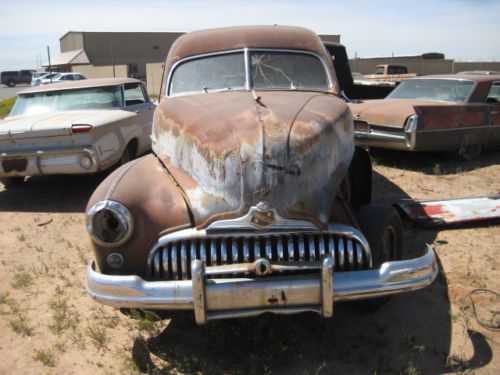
73	40
91	71
420	67
154	77
477	65
128	48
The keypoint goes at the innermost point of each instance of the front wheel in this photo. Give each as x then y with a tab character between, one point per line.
11	181
11	83
382	227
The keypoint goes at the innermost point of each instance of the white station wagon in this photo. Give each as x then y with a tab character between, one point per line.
75	128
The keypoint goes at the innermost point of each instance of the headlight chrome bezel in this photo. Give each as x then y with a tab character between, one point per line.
119	212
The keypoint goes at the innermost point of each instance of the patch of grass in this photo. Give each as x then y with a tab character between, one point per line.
4	297
46	357
5	106
145	320
98	335
63	317
81	255
436	169
20	325
22	278
411	369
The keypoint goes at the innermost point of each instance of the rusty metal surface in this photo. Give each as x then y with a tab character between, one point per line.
148	191
230	38
451	211
391	113
228	151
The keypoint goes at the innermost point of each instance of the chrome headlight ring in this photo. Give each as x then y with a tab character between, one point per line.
109	223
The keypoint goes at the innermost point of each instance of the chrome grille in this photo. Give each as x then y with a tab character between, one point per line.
173	260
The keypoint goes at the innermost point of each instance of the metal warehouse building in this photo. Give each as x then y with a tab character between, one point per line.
120	54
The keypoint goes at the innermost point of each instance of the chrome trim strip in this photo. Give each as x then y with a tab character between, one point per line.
239	297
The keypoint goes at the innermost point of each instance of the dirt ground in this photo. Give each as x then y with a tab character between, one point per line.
48	325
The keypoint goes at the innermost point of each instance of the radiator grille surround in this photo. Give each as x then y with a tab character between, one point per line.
170	258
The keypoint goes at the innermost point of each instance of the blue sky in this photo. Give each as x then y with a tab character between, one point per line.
462	29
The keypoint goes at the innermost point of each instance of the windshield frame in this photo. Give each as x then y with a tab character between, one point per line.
466	99
248	70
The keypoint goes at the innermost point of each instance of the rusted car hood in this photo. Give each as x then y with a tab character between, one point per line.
388	112
230	150
52	124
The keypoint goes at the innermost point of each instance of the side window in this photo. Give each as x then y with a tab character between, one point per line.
134	94
494	93
379	70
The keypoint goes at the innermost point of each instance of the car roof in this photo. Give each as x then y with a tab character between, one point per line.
96	82
237	37
469	77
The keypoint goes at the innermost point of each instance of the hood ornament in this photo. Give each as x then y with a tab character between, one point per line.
262	216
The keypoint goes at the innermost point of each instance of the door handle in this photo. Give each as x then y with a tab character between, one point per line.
137	111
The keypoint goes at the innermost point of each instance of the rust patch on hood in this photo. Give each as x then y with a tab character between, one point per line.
388	112
228	151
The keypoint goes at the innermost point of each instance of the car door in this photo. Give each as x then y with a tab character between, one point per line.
493	102
137	100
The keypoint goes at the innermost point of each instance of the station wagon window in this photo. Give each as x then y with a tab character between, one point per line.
447	90
211	73
134	94
85	98
287	70
494	93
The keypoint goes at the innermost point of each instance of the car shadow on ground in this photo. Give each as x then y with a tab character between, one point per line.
432	163
62	193
409	334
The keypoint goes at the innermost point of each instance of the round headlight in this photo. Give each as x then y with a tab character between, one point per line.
109	223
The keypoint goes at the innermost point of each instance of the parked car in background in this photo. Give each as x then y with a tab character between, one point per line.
255	199
38	81
13	78
459	113
37	76
390	73
62	77
74	128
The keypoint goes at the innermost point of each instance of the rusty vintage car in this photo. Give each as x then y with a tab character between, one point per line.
76	127
455	113
255	199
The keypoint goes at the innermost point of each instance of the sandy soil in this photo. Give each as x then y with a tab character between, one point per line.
49	326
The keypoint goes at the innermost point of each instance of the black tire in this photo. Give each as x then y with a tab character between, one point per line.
383	228
468	152
11	181
11	83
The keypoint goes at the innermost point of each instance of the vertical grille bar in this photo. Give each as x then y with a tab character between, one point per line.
279	248
223	251
165	263
246	250
213	253
322	251
312	249
173	253
203	251
234	251
359	257
290	249
184	261
269	249
341	254
350	255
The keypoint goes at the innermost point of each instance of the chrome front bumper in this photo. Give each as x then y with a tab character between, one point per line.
375	138
48	161
243	297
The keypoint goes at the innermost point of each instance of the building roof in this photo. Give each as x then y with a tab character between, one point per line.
96	82
70	58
